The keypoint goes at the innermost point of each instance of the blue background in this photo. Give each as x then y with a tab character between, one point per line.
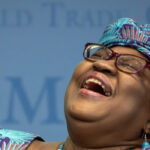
41	42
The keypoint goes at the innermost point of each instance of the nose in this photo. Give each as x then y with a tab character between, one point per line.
105	66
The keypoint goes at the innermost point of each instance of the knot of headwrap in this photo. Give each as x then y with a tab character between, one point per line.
126	32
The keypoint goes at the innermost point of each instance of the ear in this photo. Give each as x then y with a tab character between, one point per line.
147	127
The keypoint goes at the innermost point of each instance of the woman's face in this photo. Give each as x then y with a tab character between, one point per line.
102	100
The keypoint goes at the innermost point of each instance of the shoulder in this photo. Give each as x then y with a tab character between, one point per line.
38	145
11	139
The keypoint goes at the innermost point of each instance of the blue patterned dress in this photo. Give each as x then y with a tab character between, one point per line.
15	140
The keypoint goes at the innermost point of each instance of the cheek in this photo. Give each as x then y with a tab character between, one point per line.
130	103
81	69
130	85
76	78
132	92
75	81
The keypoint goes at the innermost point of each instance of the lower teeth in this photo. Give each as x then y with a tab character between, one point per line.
107	94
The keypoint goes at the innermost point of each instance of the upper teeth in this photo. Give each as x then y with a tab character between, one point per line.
107	93
95	81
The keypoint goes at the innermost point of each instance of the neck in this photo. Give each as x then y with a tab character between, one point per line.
69	145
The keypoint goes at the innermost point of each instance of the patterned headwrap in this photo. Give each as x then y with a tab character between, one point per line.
126	32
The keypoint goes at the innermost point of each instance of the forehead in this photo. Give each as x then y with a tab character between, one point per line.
127	50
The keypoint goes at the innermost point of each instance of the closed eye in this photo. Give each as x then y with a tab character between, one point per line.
96	56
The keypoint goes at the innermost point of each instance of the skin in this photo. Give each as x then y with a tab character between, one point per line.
106	123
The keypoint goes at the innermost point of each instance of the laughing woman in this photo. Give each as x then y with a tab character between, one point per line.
107	102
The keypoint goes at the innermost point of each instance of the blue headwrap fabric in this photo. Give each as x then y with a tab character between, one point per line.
126	32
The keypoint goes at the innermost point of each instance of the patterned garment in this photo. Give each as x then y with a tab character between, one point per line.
126	32
15	140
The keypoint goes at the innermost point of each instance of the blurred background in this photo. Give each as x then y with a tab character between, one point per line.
41	42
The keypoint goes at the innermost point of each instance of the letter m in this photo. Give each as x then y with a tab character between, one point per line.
30	111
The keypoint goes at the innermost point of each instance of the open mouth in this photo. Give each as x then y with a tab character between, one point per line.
97	86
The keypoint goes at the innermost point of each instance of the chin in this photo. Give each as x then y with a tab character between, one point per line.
86	111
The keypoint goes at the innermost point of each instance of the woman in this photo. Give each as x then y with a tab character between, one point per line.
107	102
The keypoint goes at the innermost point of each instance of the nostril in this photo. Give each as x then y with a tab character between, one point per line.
97	68
104	67
106	71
